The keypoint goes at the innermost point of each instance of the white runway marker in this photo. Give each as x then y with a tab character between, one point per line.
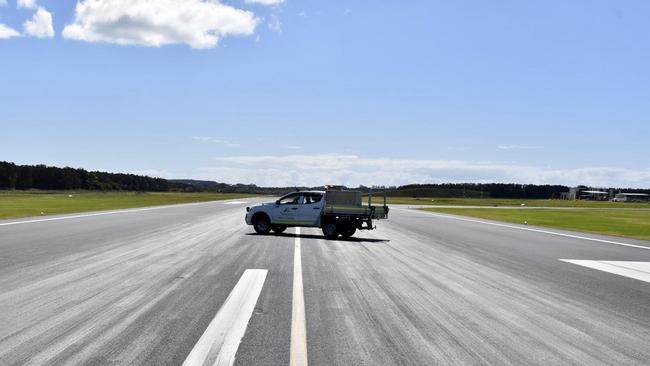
218	344
298	323
637	270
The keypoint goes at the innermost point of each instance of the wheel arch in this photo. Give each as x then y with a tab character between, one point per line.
260	215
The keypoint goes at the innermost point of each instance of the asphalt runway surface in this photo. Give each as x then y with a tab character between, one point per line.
154	286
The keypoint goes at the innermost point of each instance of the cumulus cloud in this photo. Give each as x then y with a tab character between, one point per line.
27	4
198	23
352	170
40	25
265	2
7	32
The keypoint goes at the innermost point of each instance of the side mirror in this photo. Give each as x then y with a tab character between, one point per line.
277	202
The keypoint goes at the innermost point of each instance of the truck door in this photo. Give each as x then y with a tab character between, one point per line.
287	209
309	212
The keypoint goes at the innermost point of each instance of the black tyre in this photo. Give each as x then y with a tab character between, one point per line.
330	230
348	232
279	229
262	225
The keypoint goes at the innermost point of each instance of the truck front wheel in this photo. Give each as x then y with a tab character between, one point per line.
279	229
262	225
330	230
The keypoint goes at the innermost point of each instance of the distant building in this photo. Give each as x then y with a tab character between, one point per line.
632	197
572	194
585	193
594	195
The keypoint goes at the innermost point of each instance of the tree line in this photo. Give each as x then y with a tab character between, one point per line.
44	177
23	177
480	190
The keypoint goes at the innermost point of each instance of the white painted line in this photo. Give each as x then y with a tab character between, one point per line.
105	213
534	230
235	202
218	344
298	324
637	270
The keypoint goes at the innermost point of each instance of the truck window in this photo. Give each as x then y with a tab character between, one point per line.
292	199
312	198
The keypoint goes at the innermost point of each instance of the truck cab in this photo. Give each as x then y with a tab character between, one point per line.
294	209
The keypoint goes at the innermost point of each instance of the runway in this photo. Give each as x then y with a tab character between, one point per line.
146	286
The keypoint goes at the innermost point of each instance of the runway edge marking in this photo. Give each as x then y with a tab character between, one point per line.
298	324
631	269
219	343
533	230
111	212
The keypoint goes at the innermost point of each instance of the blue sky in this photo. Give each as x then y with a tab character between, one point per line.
314	92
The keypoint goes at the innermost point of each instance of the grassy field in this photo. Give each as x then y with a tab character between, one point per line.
506	202
624	223
15	204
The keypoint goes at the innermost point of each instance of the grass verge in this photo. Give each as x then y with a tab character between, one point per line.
14	204
433	201
623	223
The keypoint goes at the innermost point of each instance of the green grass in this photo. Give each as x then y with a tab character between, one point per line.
506	202
624	223
15	204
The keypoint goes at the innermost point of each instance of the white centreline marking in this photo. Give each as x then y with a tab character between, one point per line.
298	323
235	202
104	213
636	270
218	344
534	230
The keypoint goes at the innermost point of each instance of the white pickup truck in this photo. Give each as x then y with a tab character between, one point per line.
336	212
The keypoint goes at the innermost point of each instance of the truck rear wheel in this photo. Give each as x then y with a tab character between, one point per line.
348	232
330	230
262	225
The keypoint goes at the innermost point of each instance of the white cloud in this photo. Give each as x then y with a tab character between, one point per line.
352	170
40	25
27	4
198	23
275	24
517	147
3	2
294	147
7	32
202	138
217	141
265	2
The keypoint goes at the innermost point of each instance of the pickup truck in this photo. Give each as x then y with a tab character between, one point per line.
336	212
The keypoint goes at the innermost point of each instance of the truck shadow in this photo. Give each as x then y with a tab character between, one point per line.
322	237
